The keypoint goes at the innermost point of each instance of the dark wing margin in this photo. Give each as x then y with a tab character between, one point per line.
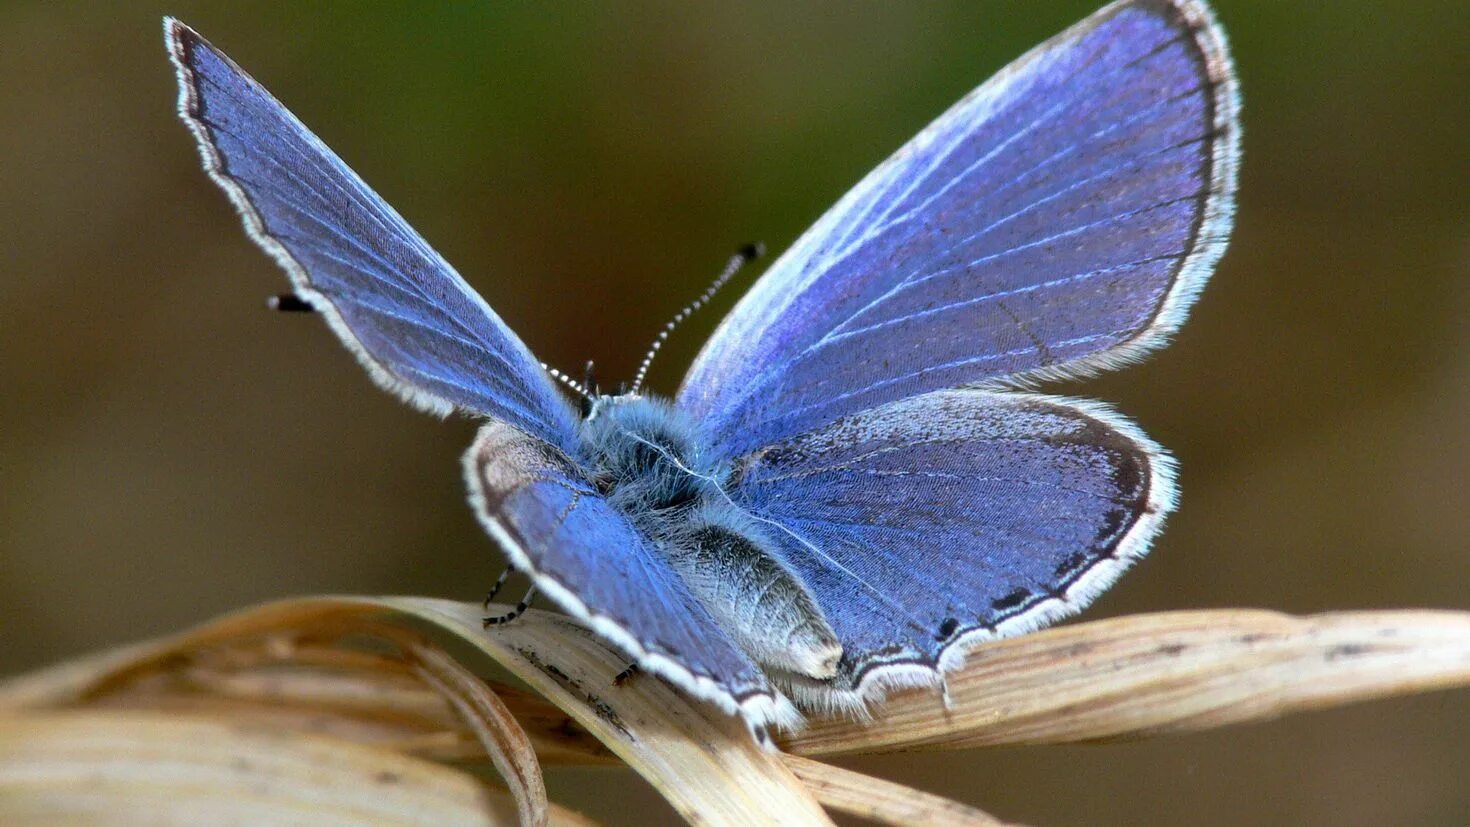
929	524
1058	221
409	318
594	564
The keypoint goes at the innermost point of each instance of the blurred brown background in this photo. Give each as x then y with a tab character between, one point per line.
170	450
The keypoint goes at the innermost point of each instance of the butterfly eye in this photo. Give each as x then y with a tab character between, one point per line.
604	483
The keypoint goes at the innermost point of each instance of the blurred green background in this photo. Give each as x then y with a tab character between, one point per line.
171	450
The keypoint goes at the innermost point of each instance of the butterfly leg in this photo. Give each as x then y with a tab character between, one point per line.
499	582
519	610
626	675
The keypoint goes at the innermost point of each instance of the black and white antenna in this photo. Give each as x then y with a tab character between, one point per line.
576	386
747	254
289	303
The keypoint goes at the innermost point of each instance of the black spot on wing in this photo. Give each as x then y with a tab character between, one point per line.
947	629
1073	563
1011	600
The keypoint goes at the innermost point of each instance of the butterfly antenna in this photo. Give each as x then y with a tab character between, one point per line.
746	255
576	386
589	381
289	303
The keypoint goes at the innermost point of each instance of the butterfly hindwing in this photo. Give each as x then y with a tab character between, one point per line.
1057	221
590	559
951	517
420	330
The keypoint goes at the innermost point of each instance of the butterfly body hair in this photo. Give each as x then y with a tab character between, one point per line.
651	462
647	458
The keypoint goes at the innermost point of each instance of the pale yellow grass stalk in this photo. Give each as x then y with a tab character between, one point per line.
343	708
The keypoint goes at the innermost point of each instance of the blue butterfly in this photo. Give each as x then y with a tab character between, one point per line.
853	484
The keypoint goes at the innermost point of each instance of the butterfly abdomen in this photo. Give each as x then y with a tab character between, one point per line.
760	603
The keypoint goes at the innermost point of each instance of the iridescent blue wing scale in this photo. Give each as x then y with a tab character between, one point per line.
1057	221
936	521
417	327
593	563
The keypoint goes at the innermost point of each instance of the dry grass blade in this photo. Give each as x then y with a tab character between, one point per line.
883	802
701	760
1150	674
285	667
296	674
146	768
504	740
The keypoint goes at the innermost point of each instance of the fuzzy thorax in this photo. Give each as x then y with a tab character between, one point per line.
651	463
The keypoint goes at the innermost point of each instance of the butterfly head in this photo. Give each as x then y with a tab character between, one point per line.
598	405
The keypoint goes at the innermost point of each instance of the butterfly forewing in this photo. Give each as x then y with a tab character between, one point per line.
421	331
1057	221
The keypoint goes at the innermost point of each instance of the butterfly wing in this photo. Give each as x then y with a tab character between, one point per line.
1057	221
589	559
932	522
417	327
